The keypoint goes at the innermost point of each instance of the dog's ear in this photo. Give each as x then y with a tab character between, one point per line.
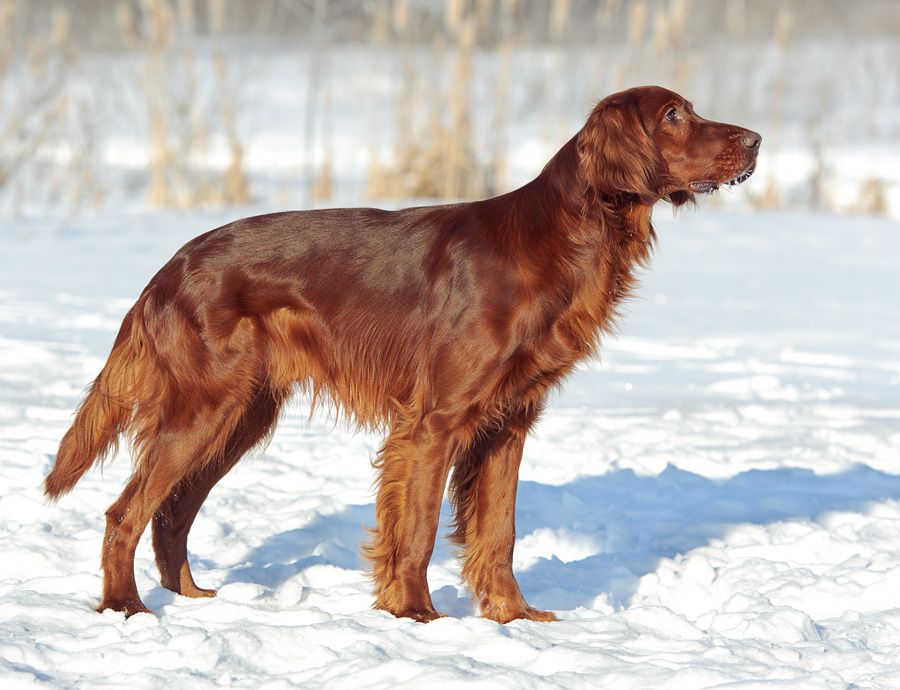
617	154
680	198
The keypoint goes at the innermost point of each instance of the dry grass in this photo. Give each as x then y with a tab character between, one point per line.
50	138
34	100
872	199
178	120
434	152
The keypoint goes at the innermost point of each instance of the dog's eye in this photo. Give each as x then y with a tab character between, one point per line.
672	114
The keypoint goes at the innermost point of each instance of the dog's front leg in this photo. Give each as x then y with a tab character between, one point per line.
483	491
414	468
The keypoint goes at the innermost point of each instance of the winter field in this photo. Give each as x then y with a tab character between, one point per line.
714	503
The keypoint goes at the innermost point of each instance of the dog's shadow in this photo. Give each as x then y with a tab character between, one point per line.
634	522
608	531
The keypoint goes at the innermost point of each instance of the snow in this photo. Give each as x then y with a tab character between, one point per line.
713	504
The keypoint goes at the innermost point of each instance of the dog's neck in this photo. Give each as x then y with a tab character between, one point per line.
598	242
618	223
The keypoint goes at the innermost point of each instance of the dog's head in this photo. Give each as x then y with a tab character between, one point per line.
648	142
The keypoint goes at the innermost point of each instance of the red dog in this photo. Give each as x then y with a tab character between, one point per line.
446	326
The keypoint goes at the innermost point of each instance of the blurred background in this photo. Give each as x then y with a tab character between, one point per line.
290	103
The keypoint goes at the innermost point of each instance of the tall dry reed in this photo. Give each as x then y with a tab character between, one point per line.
180	118
434	152
51	137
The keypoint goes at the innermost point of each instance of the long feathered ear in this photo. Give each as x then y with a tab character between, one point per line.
617	155
680	198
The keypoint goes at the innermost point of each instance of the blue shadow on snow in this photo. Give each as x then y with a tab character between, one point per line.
622	526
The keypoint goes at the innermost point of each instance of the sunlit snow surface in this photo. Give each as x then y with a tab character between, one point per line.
714	503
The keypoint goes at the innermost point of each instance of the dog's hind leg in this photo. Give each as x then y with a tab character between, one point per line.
127	519
183	442
172	521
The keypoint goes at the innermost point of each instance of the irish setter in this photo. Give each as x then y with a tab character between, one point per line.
445	326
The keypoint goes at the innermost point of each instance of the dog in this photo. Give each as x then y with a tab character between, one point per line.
444	326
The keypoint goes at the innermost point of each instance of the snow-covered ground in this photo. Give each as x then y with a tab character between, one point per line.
714	504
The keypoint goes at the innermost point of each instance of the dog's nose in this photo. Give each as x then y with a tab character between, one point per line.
751	140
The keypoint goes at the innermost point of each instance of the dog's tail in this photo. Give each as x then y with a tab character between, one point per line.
106	410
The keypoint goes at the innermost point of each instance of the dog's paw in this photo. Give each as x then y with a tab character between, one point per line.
506	612
420	616
129	607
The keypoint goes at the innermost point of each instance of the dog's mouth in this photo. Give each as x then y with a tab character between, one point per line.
709	186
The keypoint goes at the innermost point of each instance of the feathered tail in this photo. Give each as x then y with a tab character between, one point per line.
104	413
